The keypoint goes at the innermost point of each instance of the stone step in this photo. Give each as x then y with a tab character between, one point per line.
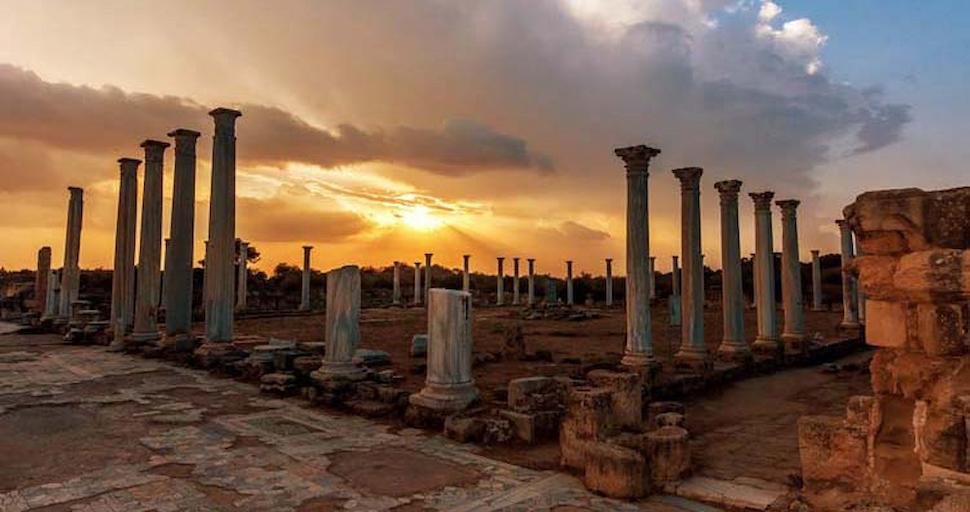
733	494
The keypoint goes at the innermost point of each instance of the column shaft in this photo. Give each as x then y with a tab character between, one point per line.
178	261
305	280
71	273
150	246
850	311
609	281
242	284
515	281
732	295
343	324
396	296
40	279
767	339
675	302
500	284
465	276
123	274
427	275
449	385
816	282
569	283
417	282
652	276
791	277
692	346
532	281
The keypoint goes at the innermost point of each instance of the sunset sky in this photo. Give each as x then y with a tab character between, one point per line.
381	130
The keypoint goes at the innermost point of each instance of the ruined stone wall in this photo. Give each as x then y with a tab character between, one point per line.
906	445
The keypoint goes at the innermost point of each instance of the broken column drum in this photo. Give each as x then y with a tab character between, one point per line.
449	385
343	324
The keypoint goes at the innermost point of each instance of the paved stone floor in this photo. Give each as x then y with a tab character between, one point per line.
82	429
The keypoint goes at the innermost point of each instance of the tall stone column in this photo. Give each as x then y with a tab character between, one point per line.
767	339
639	335
71	272
652	276
609	281
220	277
427	275
178	261
500	284
450	385
733	344
395	297
569	282
417	283
466	283
532	281
692	351
123	276
40	279
343	325
150	246
675	302
791	277
305	280
816	281
850	305
515	281
242	279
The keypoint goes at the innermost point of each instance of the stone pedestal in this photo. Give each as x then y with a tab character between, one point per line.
850	305
71	272
791	279
767	340
569	283
220	258
150	247
609	281
449	386
305	281
343	325
733	345
816	282
693	352
500	283
638	351
417	283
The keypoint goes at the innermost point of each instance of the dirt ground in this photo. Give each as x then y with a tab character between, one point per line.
571	343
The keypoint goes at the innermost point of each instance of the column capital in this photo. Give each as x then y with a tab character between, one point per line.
609	260
728	190
184	133
75	191
307	248
516	258
788	206
762	200
636	158
154	148
428	254
225	119
129	165
531	260
466	256
417	264
500	258
653	258
843	224
690	177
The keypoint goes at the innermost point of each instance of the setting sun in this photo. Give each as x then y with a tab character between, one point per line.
421	219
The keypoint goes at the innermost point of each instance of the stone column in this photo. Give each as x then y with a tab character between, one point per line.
754	281
692	351
449	385
500	284
427	275
850	311
639	335
150	247
675	302
71	272
219	297
816	281
515	281
860	296
733	344
767	339
343	325
652	276
791	277
242	279
532	281
569	282
178	261
50	304
466	283
417	283
166	251
305	281
40	279
609	281
395	298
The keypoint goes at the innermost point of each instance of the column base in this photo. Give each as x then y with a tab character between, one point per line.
639	360
145	338
765	345
734	351
849	325
331	371
795	343
181	342
694	359
446	397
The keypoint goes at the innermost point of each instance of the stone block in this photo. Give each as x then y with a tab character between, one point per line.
941	436
588	418
933	276
372	408
616	471
670	419
668	453
626	393
910	220
655	409
886	324
464	429
531	394
831	453
941	328
533	427
860	412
